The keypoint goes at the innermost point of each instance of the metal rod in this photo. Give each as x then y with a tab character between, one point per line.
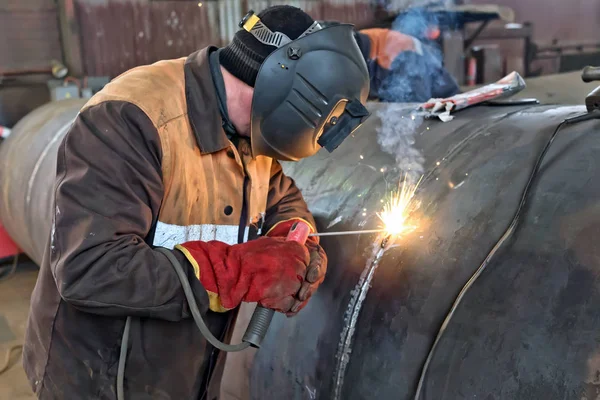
347	232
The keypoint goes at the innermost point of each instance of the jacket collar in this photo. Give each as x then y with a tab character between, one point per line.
203	104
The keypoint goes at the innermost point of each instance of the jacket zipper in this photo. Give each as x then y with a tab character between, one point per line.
261	224
244	213
241	230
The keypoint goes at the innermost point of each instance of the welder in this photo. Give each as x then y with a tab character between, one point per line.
183	154
405	63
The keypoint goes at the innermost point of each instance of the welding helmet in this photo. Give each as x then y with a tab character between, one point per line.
309	92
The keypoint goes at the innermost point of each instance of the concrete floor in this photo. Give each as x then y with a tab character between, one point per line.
15	292
14	307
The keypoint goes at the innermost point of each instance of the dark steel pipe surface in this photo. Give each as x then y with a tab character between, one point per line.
28	159
527	329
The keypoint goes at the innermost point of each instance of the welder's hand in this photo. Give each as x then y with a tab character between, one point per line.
387	44
315	273
269	271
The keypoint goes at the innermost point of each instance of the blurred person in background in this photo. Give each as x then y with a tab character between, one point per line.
405	62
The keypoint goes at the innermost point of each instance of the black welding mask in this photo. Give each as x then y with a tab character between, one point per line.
309	93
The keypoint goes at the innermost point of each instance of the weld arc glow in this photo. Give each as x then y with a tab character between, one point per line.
396	211
398	207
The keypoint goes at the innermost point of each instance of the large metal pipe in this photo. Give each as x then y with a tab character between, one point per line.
28	160
527	329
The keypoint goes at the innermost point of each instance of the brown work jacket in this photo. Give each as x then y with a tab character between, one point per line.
146	163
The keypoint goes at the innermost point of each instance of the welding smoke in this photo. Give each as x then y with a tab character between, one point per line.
415	76
396	136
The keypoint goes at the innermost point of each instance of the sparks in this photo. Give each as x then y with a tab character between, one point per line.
397	209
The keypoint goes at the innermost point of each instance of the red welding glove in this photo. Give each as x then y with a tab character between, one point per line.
386	44
317	268
269	271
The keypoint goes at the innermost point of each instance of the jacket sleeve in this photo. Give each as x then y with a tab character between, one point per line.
285	201
108	194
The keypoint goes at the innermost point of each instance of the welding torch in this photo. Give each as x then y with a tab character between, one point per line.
261	319
259	323
342	233
255	333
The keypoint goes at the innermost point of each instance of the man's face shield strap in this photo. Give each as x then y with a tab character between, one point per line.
252	24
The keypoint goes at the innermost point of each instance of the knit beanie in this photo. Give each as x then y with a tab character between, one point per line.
245	54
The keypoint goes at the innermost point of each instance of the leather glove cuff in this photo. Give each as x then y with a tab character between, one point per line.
269	271
199	255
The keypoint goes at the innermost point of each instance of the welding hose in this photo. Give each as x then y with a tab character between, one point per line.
204	330
189	295
255	332
507	234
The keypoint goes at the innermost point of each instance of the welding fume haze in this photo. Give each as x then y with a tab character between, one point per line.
417	75
396	136
414	77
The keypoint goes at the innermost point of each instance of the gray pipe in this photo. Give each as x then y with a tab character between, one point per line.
527	328
28	160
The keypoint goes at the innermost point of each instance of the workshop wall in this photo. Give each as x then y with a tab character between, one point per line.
29	35
568	26
116	35
567	20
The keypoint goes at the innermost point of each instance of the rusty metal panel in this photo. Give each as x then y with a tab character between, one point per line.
30	35
231	11
354	12
311	7
119	35
564	20
351	11
230	14
31	5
